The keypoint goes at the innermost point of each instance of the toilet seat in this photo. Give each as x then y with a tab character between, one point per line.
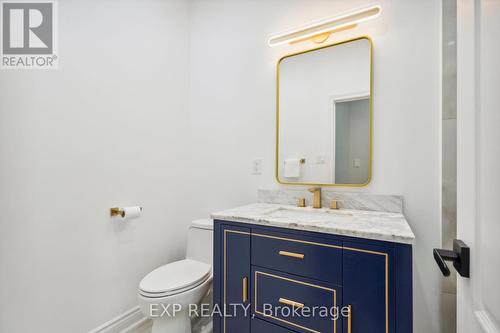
174	278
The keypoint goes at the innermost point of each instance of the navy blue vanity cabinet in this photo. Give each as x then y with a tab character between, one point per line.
369	282
303	256
282	292
368	274
262	326
232	278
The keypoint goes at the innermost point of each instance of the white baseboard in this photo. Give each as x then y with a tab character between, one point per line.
132	321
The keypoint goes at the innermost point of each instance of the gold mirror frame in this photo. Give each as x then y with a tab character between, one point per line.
278	113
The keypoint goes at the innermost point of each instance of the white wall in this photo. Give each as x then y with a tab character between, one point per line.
233	98
107	128
352	141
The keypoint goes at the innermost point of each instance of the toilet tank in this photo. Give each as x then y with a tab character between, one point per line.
200	241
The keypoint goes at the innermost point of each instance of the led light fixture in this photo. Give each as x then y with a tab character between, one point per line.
320	31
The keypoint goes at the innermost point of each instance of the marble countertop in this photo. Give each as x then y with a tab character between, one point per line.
384	226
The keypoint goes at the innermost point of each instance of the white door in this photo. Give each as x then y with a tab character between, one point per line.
478	174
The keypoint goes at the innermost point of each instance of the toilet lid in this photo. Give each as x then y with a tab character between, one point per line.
207	224
177	275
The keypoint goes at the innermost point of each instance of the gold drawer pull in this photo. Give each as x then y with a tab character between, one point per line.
291	254
349	319
291	303
245	290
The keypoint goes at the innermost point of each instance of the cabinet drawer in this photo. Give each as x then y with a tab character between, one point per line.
309	257
261	326
277	294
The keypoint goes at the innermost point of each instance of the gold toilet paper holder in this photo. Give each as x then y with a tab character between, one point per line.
117	211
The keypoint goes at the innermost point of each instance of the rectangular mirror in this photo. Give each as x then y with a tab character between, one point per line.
324	114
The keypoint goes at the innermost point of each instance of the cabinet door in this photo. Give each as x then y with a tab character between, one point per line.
277	294
236	279
368	288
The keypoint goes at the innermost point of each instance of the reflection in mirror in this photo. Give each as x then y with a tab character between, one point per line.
324	115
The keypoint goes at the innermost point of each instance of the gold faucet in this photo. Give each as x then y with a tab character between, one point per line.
316	191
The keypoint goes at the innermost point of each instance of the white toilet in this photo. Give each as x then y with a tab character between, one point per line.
181	283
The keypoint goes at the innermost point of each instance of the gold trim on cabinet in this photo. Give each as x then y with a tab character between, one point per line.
362	250
298	282
298	241
291	254
349	319
278	113
237	232
311	243
225	275
226	231
386	280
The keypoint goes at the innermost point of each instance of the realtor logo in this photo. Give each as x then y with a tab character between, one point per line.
28	35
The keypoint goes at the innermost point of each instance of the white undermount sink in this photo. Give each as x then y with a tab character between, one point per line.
309	214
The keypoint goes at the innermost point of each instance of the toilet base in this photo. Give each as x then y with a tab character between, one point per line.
180	323
176	318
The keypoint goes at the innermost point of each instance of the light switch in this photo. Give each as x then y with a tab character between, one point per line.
256	167
320	159
356	163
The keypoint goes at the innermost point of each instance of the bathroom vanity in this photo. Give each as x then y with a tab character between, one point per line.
273	258
278	267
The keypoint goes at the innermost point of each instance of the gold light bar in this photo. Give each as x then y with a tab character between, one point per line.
327	26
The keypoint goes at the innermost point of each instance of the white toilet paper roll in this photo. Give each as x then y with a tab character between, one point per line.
128	213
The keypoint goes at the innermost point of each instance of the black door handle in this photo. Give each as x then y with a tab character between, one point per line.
440	256
460	256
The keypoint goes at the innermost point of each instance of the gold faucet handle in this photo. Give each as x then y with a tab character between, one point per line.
334	204
301	202
314	189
